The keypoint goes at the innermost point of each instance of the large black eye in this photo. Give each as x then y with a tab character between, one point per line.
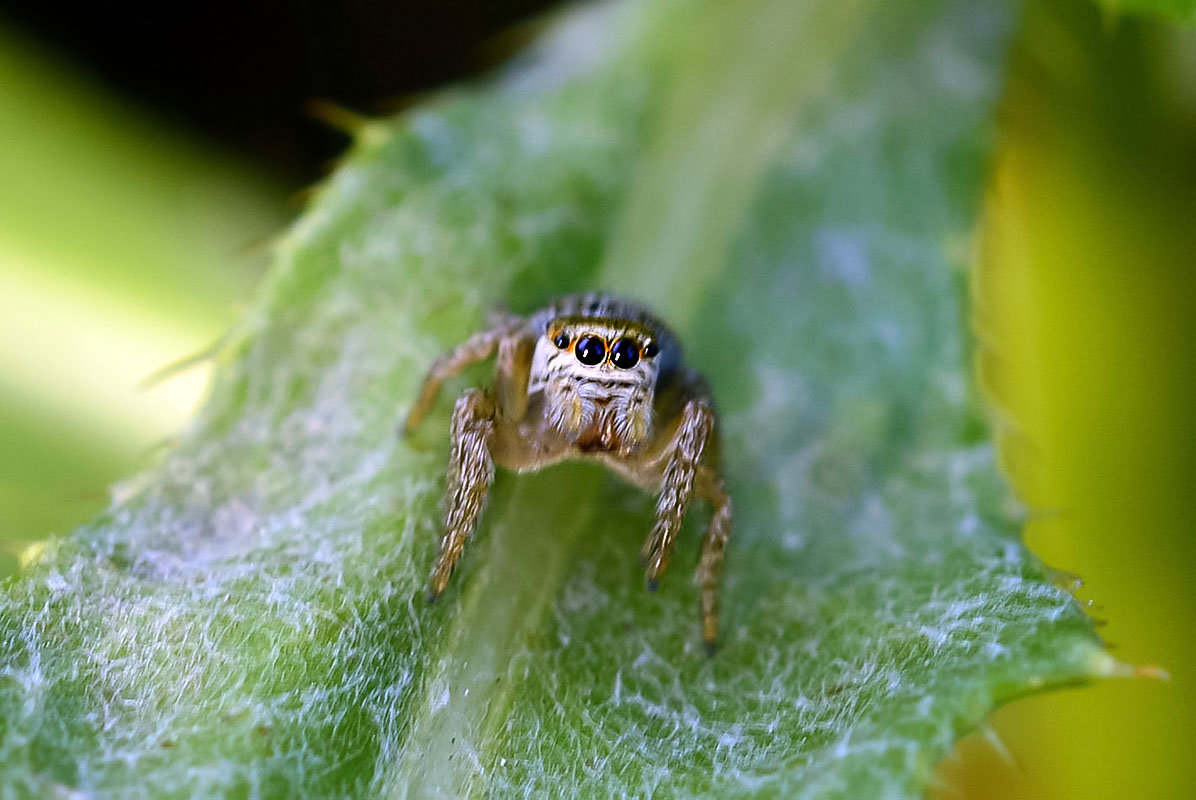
624	354
561	340
591	350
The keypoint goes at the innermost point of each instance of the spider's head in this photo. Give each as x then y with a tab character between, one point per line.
599	379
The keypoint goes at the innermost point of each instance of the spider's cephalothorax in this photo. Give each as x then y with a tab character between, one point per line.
590	376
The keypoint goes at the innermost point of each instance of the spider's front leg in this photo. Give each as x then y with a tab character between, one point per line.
685	476
677	486
476	348
477	417
471	471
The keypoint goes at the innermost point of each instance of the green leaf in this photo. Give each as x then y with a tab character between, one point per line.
792	184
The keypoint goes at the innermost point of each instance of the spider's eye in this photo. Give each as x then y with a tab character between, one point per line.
561	340
591	350
624	354
650	350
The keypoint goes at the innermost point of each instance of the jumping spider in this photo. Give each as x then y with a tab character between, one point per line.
589	377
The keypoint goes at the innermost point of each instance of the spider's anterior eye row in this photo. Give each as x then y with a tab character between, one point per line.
624	354
590	350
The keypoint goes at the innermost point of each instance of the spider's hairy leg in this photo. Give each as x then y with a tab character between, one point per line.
470	473
512	373
677	485
476	348
714	545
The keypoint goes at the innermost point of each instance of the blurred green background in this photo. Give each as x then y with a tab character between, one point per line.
136	206
122	249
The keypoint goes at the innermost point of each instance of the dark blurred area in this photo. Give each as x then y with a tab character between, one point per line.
245	72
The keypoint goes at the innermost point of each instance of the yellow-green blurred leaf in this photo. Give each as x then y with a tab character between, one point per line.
119	253
1174	10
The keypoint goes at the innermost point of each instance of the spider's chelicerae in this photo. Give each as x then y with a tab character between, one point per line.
589	377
